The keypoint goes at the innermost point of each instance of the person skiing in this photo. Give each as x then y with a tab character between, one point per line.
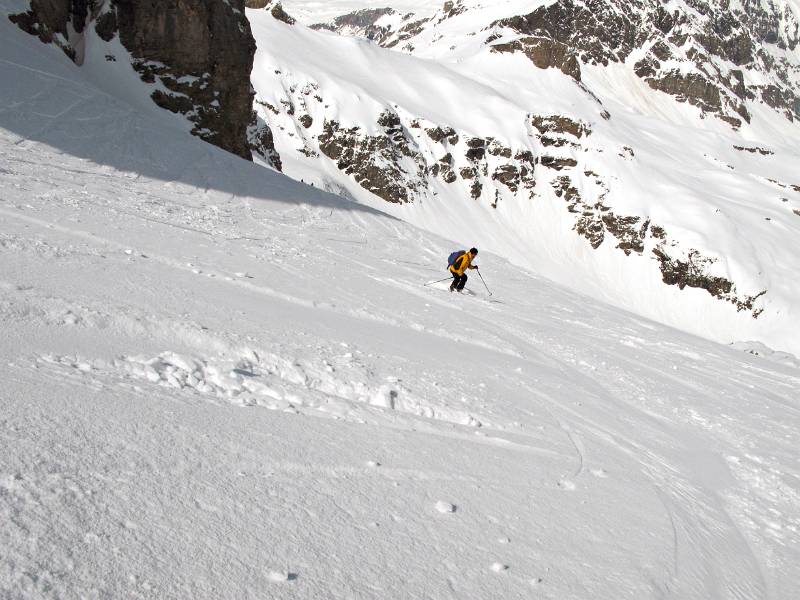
459	268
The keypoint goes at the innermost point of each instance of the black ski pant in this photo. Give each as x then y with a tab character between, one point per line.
459	281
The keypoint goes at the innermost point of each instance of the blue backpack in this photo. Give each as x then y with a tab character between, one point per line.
454	257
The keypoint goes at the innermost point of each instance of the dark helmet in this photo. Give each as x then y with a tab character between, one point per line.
473	251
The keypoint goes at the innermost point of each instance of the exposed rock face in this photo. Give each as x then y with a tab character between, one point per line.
386	165
401	162
699	51
262	143
597	31
693	272
278	12
559	125
397	165
559	135
200	52
203	54
599	224
709	36
361	23
753	150
48	20
370	24
545	53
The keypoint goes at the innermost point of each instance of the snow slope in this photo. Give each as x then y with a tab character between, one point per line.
218	383
655	160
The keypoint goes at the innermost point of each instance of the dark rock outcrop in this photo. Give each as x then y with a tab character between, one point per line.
281	15
687	87
49	21
444	169
545	54
553	162
596	30
693	272
401	161
360	23
558	125
599	224
709	35
559	133
754	149
378	163
203	54
262	143
200	52
364	23
440	134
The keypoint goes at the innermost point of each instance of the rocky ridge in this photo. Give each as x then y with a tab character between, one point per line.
717	55
361	23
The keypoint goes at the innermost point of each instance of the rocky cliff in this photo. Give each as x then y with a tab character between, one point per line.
717	55
197	56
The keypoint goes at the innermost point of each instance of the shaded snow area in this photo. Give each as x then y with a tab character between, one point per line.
218	383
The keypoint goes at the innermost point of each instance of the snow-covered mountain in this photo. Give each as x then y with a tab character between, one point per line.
322	11
216	382
641	153
644	153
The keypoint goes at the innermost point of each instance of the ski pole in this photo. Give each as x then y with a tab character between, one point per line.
484	282
438	281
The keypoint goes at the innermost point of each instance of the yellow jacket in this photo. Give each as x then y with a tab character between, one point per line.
461	264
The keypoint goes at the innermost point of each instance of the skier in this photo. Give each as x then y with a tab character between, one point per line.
458	268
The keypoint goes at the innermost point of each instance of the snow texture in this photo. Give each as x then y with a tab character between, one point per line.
218	383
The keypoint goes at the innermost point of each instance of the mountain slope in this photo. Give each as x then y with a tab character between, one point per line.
195	59
593	179
316	11
217	382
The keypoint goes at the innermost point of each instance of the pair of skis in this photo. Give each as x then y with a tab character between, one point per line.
446	278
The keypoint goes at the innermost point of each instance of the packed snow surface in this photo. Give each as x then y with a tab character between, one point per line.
218	383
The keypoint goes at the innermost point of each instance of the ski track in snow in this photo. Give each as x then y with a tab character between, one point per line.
418	444
587	397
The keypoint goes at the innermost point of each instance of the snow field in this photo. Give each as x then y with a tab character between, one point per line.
220	383
574	399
